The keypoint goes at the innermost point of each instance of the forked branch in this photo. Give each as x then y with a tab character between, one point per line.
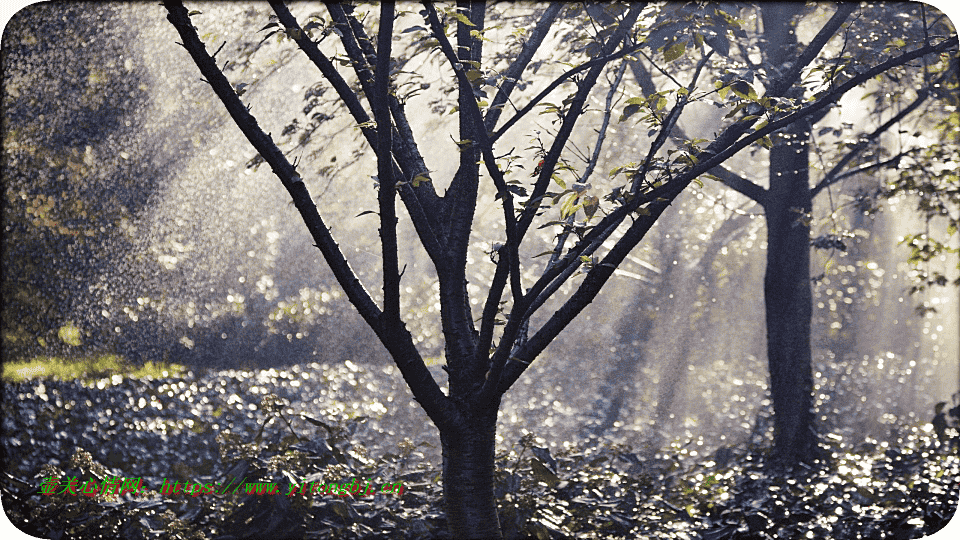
397	340
421	203
728	143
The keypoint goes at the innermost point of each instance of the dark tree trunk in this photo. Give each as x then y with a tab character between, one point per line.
468	476
788	298
786	285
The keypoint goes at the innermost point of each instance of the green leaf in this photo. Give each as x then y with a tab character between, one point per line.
590	205
744	90
735	110
719	43
420	178
674	51
542	473
462	18
549	108
569	206
630	110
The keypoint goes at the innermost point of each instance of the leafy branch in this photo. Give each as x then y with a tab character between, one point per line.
728	143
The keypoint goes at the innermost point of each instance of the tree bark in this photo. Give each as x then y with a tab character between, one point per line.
468	477
789	302
786	285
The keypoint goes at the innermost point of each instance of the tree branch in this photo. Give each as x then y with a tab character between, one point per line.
463	355
397	340
668	124
585	86
542	297
725	175
588	171
557	82
740	184
422	202
730	143
177	15
351	45
586	292
471	111
387	193
726	145
493	301
844	9
834	175
405	147
515	71
519	311
890	162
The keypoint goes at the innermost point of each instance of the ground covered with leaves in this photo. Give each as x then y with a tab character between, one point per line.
319	424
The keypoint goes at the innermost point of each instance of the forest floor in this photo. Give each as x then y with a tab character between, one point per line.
321	424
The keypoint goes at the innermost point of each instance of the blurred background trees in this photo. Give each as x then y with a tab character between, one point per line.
71	189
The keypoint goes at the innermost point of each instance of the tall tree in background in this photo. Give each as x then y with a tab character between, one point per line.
788	200
483	362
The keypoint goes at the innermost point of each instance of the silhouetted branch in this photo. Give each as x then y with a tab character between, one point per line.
844	9
834	175
520	311
728	177
740	184
515	71
386	197
397	340
473	115
557	82
420	203
728	143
